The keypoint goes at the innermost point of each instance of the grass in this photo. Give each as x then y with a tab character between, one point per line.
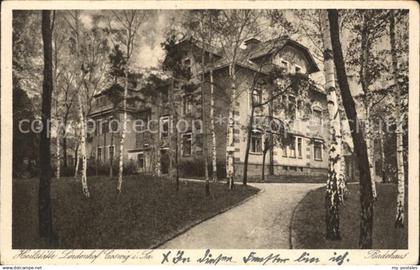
148	211
290	179
309	221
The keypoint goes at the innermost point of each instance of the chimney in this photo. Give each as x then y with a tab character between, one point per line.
251	43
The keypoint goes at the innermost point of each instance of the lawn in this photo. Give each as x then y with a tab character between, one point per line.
309	221
148	211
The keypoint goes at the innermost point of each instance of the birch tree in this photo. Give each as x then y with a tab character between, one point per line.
368	28
366	198
127	23
88	66
232	28
399	115
335	174
200	24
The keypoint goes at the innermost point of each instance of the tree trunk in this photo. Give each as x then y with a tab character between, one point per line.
65	165
58	153
366	200
85	189
399	220
381	141
270	134
45	212
370	149
83	148
364	55
263	166
77	158
121	159
248	143
212	127
335	177
157	146
230	140
204	127
173	139
111	158
176	154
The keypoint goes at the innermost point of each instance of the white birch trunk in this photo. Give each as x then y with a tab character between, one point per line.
76	167
83	148
335	179
381	138
369	146
230	146
399	219
212	127
121	160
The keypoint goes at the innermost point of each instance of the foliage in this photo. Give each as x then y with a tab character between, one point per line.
25	145
174	56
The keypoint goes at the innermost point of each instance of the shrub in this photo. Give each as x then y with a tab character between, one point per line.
195	168
129	168
191	168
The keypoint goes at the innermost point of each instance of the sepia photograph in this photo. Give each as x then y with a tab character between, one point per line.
247	128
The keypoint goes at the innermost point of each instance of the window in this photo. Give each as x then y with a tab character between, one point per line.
199	143
299	111
257	94
186	144
187	104
99	154
292	148
298	69
284	150
145	118
299	147
292	105
256	141
140	160
164	126
187	65
104	127
90	127
111	151
98	128
317	115
105	154
318	151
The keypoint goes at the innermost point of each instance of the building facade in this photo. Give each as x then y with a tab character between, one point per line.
175	119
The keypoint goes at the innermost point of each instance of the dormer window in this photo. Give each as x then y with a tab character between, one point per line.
284	64
298	69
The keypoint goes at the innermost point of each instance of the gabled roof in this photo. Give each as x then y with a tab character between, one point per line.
273	46
201	45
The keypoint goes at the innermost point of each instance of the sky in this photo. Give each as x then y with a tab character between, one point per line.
148	52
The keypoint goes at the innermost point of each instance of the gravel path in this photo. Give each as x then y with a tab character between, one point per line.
261	223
